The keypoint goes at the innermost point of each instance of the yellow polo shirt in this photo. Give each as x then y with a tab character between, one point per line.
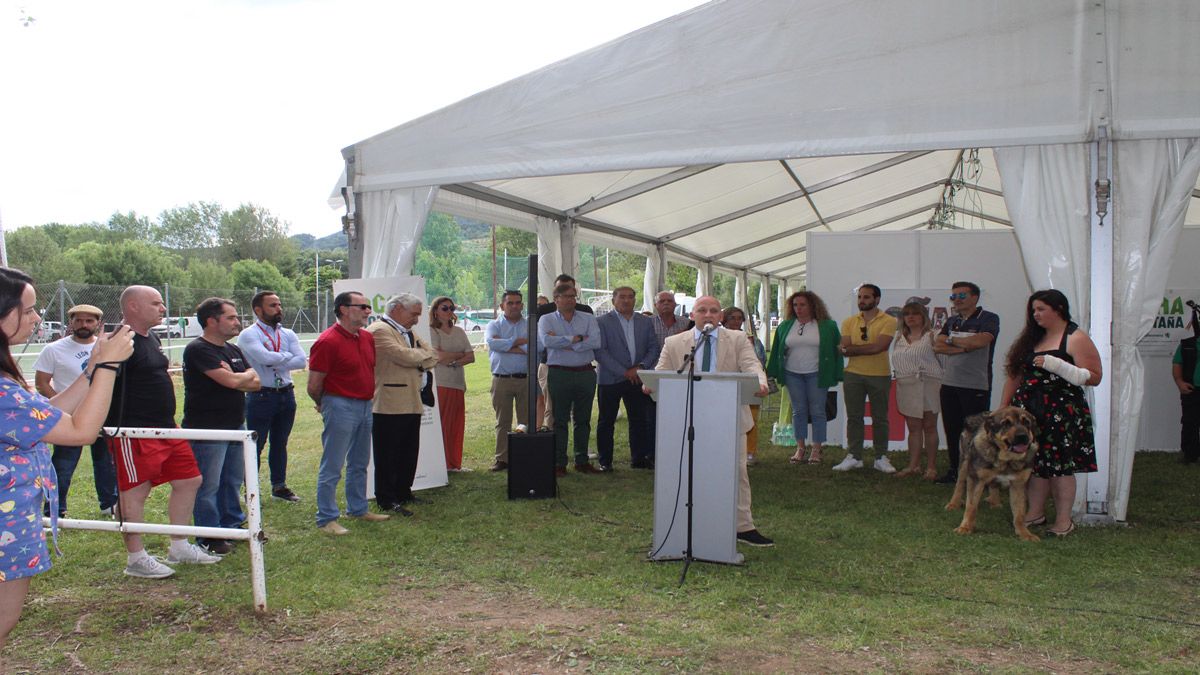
874	364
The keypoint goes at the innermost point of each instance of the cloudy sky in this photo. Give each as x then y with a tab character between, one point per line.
145	105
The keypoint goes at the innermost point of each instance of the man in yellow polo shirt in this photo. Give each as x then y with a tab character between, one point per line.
868	374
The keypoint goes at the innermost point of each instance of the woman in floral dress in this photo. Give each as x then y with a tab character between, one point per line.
1047	367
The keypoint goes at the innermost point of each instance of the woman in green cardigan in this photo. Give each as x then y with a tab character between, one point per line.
806	360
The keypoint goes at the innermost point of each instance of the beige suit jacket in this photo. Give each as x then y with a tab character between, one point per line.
735	354
399	370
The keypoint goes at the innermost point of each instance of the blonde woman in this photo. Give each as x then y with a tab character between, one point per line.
918	373
454	351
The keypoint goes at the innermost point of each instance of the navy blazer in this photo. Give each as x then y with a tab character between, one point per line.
613	355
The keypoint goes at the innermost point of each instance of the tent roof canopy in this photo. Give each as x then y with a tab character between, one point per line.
729	131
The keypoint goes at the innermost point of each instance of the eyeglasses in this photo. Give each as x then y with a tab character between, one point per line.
364	306
959	296
447	308
863	329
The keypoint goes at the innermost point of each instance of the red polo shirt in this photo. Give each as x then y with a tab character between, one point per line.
348	361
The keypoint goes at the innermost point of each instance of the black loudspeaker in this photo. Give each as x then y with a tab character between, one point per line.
531	466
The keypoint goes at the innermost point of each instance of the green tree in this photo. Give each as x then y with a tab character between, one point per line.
33	251
206	274
194	226
251	274
131	226
439	255
516	242
251	232
127	262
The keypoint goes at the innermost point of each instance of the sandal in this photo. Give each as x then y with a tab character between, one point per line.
1036	522
930	474
796	459
1069	530
814	457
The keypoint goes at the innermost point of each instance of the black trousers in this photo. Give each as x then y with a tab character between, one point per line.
396	441
637	408
1189	440
959	403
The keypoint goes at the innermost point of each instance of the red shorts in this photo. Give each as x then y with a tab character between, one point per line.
158	460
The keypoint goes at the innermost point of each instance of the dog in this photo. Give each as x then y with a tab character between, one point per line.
998	448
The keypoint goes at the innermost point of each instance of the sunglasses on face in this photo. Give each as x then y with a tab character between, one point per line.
365	307
959	296
447	308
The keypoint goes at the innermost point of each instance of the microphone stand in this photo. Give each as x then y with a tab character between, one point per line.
690	363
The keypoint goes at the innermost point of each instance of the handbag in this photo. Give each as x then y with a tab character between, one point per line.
830	406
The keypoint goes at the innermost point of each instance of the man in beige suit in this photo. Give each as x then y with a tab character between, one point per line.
403	364
731	352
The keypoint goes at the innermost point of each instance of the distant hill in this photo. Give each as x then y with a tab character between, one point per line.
308	241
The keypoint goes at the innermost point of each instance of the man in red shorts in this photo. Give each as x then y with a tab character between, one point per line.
144	396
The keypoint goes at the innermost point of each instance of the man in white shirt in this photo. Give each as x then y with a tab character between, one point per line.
274	352
56	368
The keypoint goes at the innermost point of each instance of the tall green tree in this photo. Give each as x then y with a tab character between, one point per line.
206	274
34	252
251	232
127	262
194	226
250	274
130	225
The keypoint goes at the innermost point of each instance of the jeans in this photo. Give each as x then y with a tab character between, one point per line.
346	440
271	414
641	444
856	389
808	405
219	500
104	474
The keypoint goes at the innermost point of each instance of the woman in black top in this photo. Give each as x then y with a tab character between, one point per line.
1047	367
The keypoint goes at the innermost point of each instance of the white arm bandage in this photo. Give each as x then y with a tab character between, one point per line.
1073	374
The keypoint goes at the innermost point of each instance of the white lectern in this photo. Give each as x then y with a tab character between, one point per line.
718	397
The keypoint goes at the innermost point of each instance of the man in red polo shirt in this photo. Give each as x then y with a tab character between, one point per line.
341	381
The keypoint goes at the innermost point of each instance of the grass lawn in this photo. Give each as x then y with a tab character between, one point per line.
867	575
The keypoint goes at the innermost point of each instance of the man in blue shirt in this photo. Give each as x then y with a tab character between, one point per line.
274	352
507	338
628	344
571	339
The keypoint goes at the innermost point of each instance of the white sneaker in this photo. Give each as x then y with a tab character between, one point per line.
148	568
882	464
849	463
191	554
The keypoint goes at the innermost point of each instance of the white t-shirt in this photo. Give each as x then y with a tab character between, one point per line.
803	348
65	360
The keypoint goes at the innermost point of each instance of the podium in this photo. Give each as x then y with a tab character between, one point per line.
717	405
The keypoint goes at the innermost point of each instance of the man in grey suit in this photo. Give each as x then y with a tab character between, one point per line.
628	344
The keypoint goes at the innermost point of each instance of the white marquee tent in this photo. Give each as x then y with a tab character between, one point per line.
721	136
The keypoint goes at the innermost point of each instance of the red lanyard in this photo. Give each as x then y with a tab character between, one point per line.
273	343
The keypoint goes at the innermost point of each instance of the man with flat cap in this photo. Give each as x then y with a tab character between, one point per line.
56	368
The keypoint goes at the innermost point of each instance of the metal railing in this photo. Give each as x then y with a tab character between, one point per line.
253	535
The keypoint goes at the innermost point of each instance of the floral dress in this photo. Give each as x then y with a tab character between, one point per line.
26	477
1066	445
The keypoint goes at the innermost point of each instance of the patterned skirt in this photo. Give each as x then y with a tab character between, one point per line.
1066	444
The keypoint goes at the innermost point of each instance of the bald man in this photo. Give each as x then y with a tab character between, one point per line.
731	352
144	396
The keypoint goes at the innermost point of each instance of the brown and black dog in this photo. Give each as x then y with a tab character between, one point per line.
998	448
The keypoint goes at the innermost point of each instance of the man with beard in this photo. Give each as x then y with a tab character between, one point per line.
274	352
57	367
866	337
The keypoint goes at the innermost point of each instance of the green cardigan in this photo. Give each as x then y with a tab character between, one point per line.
829	359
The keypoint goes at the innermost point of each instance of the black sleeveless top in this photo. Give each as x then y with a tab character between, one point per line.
1061	351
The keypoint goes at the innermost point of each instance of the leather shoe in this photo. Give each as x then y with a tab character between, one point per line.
586	467
606	468
642	464
401	510
948	479
372	517
499	466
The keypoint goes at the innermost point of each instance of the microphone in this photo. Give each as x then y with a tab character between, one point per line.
1192	304
708	329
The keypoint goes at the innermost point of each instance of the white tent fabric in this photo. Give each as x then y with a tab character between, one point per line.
1154	182
1043	189
549	250
399	219
724	135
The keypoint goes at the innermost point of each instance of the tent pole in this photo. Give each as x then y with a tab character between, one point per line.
1101	328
